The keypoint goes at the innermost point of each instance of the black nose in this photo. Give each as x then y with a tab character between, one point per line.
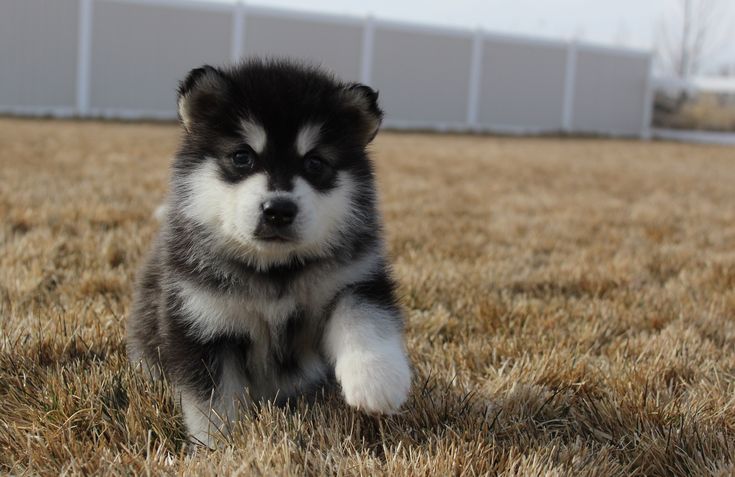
279	212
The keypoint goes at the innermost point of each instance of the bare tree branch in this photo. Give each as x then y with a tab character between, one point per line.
689	36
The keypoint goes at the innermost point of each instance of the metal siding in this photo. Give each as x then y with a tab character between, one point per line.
522	85
330	44
141	52
422	76
38	53
610	92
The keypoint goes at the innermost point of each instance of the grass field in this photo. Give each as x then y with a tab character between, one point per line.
570	308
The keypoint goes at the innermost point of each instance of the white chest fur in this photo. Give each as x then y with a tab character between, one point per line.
211	314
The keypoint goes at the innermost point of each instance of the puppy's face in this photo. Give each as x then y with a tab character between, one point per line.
273	161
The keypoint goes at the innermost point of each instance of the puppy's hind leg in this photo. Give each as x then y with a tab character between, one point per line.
210	415
203	423
209	422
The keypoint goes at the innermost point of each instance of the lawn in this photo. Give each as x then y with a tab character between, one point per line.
570	310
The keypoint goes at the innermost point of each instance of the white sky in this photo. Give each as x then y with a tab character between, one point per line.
632	23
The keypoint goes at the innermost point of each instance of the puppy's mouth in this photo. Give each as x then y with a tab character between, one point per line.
274	235
273	238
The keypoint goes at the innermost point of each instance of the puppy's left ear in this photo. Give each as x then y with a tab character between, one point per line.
365	100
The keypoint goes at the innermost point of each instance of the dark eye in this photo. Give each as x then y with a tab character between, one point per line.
315	166
243	159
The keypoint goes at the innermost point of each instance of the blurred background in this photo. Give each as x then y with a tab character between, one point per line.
661	68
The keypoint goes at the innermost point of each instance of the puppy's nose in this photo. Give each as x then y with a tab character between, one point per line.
279	212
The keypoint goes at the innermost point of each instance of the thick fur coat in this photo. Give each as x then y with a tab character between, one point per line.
268	279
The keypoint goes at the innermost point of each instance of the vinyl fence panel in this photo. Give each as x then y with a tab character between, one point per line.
422	76
334	44
124	58
522	85
38	54
610	91
141	51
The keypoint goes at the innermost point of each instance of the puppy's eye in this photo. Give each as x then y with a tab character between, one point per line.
316	166
243	159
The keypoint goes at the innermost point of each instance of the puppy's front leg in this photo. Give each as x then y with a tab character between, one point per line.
364	341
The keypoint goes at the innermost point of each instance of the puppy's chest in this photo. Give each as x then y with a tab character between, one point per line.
271	345
261	318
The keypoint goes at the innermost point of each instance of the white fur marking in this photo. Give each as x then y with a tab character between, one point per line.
211	314
202	422
255	135
160	213
307	138
184	112
322	215
317	289
369	357
231	390
233	212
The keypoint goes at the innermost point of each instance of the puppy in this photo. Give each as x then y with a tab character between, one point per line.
268	279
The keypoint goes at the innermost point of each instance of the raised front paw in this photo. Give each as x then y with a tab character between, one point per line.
372	382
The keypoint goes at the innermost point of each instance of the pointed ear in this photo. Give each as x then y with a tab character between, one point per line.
199	94
365	99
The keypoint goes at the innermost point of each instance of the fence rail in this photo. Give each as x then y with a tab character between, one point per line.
123	58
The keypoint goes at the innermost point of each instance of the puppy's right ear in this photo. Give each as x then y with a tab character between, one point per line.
200	94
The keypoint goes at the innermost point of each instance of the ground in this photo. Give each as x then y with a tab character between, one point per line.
570	310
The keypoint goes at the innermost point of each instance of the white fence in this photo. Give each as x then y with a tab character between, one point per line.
123	58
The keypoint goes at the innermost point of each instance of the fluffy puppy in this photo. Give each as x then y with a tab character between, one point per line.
268	279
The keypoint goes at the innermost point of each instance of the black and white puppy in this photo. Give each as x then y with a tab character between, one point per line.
269	278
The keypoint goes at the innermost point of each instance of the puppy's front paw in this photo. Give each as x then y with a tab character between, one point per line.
374	383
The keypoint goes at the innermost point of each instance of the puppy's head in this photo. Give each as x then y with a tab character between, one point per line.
273	159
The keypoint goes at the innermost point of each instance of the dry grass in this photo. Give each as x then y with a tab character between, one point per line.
705	112
570	303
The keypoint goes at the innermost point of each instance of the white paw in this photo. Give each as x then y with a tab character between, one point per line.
160	213
372	382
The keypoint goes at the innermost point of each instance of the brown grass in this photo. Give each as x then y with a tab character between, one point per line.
705	111
570	303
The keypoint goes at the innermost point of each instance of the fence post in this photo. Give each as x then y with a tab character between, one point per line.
648	100
84	43
238	27
570	77
368	39
473	89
